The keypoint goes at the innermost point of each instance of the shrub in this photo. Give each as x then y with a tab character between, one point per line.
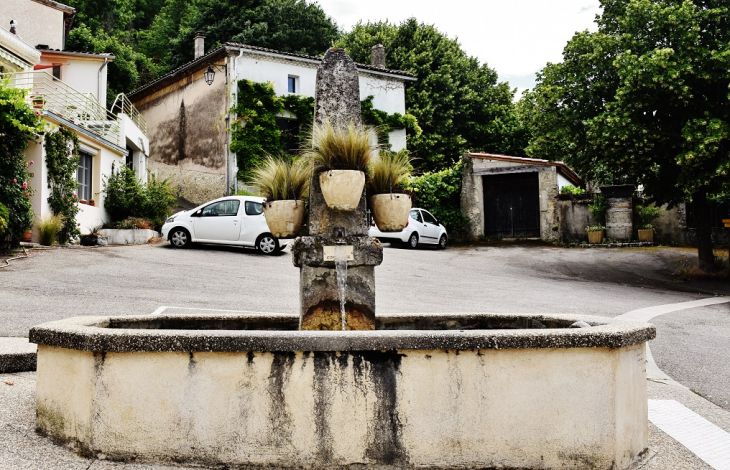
18	124
595	228
62	161
598	209
646	214
280	178
388	171
4	215
135	223
341	148
50	229
127	197
574	190
440	193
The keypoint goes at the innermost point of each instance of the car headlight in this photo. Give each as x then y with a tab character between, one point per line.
170	220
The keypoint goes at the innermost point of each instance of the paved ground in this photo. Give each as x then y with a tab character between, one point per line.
691	345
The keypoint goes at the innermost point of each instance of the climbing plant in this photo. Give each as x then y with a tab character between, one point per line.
256	132
62	162
18	125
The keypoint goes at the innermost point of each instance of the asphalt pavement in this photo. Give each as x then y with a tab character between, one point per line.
692	345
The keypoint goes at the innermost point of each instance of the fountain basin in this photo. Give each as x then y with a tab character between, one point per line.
426	392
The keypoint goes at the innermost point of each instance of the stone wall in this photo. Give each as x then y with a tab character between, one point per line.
574	217
548	186
193	184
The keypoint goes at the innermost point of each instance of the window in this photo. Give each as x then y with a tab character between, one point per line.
84	175
222	209
292	84
416	215
428	218
57	71
254	208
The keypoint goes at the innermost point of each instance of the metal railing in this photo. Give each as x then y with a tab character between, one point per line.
46	93
123	105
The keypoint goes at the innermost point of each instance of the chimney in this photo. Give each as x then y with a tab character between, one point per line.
377	56
13	25
199	44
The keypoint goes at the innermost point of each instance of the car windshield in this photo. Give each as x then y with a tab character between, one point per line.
221	208
253	208
416	215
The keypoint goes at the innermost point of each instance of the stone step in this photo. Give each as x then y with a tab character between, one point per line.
17	355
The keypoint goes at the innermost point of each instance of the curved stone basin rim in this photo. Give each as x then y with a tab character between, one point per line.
256	332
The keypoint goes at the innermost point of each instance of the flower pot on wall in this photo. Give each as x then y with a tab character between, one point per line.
284	218
646	235
595	237
390	211
342	189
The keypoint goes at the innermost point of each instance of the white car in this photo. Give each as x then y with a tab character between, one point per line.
422	227
231	220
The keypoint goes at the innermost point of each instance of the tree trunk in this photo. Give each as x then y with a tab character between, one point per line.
705	254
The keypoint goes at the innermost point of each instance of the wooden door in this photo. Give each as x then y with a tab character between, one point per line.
512	205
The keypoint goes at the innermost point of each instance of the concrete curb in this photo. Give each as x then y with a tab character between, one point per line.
17	355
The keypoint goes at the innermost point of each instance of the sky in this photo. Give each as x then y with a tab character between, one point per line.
514	37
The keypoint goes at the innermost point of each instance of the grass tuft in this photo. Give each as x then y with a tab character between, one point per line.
387	171
342	148
280	178
48	229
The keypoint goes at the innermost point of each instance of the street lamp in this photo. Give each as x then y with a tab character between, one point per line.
210	73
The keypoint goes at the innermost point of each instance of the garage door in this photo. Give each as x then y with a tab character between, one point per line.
511	206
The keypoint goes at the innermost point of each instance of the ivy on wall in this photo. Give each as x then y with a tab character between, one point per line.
256	132
62	162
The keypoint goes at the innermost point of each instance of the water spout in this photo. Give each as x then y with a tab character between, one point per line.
341	268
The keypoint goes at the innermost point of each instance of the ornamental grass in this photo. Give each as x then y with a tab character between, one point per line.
48	229
279	178
388	170
342	148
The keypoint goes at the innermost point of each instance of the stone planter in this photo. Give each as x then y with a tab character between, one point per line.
284	218
595	237
390	211
342	189
132	236
646	235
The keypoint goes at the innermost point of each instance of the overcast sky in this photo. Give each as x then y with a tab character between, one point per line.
514	37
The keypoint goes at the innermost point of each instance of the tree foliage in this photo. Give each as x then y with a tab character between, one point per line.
458	102
644	99
440	193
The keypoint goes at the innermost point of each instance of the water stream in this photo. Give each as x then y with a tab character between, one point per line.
341	267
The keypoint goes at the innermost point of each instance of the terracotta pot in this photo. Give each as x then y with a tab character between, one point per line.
390	211
27	236
342	189
646	235
92	203
595	237
284	218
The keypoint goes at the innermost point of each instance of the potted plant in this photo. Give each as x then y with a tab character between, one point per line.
340	156
285	184
595	234
92	202
386	173
646	214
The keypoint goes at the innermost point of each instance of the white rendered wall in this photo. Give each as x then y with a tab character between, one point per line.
132	136
563	181
80	73
37	24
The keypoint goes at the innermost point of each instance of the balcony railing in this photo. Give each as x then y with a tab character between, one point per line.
46	93
123	105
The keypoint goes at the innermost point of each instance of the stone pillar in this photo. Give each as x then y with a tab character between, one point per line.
337	100
199	44
620	211
377	56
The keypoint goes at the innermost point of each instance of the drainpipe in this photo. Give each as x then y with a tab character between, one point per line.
106	60
232	69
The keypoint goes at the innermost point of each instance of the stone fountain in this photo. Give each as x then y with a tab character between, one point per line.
461	391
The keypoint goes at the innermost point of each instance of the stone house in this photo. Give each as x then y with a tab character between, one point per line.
513	197
69	89
189	119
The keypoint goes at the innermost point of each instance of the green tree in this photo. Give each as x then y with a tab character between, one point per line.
286	25
644	99
458	102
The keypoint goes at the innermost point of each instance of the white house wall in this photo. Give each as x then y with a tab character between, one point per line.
37	24
81	73
563	181
132	137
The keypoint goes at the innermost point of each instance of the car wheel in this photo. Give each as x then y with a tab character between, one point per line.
442	242
413	240
267	244
179	238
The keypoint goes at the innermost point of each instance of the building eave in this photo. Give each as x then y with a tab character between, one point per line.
19	48
85	132
100	56
564	169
